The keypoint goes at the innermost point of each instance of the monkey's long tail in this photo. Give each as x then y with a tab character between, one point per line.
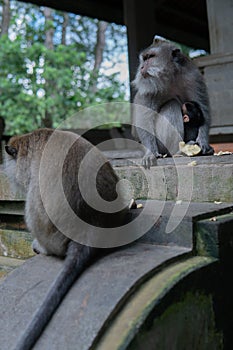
77	260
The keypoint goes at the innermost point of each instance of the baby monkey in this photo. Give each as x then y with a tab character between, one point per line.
49	165
193	118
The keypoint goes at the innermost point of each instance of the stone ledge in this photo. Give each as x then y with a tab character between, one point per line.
95	296
128	322
105	288
209	180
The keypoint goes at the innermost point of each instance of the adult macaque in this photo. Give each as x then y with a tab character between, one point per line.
45	211
164	81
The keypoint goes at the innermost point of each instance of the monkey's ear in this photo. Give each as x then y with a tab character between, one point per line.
159	40
156	40
178	57
12	151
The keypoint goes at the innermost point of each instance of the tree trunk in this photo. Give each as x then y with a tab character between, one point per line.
64	27
6	16
99	49
49	29
47	121
100	43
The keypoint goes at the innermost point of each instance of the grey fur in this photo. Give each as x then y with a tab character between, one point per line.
165	80
24	154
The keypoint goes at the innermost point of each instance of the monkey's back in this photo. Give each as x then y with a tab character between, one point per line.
64	174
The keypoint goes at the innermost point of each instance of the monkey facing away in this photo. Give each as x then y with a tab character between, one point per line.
45	212
193	118
165	79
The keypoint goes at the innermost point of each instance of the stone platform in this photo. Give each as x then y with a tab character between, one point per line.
197	179
184	257
96	296
151	268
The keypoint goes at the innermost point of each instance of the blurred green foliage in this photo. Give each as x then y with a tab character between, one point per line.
36	82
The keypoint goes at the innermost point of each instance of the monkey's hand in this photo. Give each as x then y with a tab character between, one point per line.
150	159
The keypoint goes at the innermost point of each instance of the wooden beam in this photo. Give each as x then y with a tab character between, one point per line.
141	24
186	38
106	11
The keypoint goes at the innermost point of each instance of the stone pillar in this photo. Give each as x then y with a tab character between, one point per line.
140	23
220	18
218	69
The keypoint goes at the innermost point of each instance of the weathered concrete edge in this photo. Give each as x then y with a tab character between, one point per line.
211	179
128	321
12	262
199	183
7	265
213	237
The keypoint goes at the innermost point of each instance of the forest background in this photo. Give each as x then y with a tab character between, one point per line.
54	64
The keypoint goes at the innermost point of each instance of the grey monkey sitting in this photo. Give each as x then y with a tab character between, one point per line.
165	79
45	213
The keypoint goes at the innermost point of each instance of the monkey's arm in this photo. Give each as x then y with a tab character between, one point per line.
149	141
202	99
169	127
202	140
143	124
159	132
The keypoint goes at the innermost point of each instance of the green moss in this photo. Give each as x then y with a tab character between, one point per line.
15	244
208	232
188	324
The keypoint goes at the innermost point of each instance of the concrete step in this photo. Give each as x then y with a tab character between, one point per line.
12	207
174	223
169	223
165	223
197	179
104	290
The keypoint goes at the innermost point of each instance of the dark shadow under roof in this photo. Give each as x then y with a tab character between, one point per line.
179	20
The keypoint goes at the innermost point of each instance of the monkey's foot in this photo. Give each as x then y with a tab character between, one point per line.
207	150
37	248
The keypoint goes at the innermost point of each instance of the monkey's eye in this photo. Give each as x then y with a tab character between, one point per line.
148	56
